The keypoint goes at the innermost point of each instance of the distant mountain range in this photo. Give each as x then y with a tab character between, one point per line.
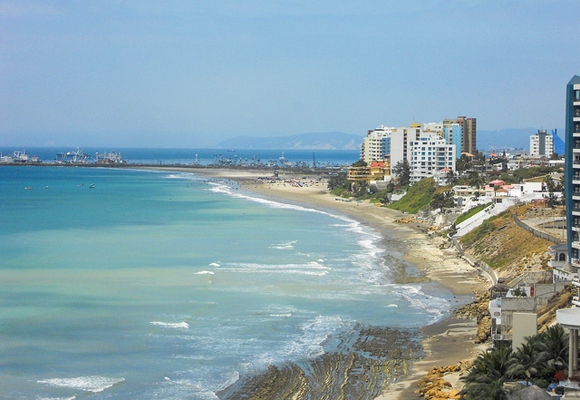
486	140
508	138
304	141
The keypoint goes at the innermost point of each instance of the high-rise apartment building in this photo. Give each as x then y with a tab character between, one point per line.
541	144
376	145
572	169
453	135
429	154
427	151
468	134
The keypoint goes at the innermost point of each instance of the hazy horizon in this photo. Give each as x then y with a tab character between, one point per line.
190	74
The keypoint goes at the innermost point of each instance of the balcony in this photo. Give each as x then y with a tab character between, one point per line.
501	337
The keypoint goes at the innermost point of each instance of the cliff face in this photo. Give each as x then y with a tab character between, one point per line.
507	248
562	299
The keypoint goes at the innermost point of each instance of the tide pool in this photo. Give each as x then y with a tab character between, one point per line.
160	285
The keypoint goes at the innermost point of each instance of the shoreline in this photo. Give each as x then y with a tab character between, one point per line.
445	342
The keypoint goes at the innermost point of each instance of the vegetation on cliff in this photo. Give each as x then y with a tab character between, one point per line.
503	245
418	196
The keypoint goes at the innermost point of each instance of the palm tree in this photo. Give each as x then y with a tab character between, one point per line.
490	370
553	347
525	362
492	390
491	365
475	180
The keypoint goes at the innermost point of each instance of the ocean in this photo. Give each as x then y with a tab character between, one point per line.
203	156
132	284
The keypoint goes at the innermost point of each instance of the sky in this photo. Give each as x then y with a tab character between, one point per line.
139	73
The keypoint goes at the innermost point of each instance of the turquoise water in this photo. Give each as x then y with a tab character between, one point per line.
159	285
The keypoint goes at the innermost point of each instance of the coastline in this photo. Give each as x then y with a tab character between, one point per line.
446	342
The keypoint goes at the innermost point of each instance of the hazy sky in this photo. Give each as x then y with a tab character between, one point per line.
191	73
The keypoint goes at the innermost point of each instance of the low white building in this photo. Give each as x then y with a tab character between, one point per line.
561	268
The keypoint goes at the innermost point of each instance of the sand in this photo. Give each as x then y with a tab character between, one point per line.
446	342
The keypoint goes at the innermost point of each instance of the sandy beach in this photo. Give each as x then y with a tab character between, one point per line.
446	342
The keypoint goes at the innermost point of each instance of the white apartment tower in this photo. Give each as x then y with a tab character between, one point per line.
541	144
426	151
429	154
376	145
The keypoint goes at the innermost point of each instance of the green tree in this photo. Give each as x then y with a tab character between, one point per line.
451	178
443	200
491	365
463	163
402	170
549	182
486	391
475	180
359	188
486	377
337	181
360	163
525	362
552	345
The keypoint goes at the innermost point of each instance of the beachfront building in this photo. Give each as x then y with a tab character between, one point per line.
376	145
541	144
427	151
572	169
570	318
375	171
430	154
358	173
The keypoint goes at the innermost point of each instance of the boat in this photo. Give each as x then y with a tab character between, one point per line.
111	157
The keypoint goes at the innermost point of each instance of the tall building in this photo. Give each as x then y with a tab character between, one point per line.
376	145
453	135
541	144
572	169
429	154
427	151
469	136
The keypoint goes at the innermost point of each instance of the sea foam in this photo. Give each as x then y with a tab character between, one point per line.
94	384
172	325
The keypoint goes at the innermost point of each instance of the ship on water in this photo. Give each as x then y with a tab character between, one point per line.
111	157
21	157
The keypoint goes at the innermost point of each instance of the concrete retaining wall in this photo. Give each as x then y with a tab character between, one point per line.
537	232
487	271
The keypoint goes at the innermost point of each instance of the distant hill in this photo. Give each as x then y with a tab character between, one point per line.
514	138
508	138
304	141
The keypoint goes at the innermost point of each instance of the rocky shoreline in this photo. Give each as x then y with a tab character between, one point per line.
362	361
